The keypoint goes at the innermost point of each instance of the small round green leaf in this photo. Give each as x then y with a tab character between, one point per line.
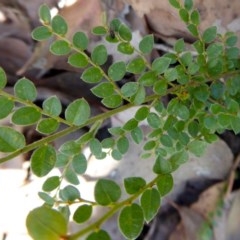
150	202
125	33
117	71
153	120
71	176
106	192
112	101
59	25
197	147
192	28
162	166
79	163
52	106
46	198
92	75
60	47
102	90
6	106
165	184
130	124
3	78
146	44
43	160
137	135
179	45
125	48
99	55
184	15
136	66
26	116
80	40
70	148
142	113
129	89
188	4
83	213
195	17
161	64
140	95
175	3
51	183
25	90
209	34
99	30
78	112
69	193
41	33
95	147
47	126
78	60
46	223
133	184
101	234
122	145
44	14
116	154
10	140
131	221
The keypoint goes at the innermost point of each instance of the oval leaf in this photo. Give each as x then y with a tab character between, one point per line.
51	183
6	106
79	163
80	40
150	203
117	71
59	25
10	140
52	106
3	78
92	75
43	160
69	193
106	192
112	101
133	184
25	90
41	33
60	47
101	234
26	116
46	223
83	213
146	44
131	221
47	126
44	14
78	112
99	55
78	60
164	184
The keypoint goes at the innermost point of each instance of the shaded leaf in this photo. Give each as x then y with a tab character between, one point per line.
3	78
165	184
106	192
43	160
80	40
10	140
99	55
79	163
82	213
69	193
47	126
112	101
6	106
101	234
52	106
25	90
146	44
92	75
117	71
133	184
51	183
78	112
26	116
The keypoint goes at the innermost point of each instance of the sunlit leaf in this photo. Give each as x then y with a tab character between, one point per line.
46	223
131	221
25	89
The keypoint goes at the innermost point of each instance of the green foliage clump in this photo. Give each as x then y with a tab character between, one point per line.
205	93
